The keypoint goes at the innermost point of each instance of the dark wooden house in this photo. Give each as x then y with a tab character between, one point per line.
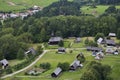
54	40
77	40
30	51
96	49
61	50
75	65
112	35
109	51
57	72
110	42
4	63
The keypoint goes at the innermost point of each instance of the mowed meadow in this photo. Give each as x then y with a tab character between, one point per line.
20	5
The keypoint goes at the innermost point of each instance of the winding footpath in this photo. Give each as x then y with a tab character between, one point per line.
40	56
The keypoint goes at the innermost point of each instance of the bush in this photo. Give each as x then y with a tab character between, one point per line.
64	66
8	70
71	51
81	58
91	43
45	65
86	41
39	49
61	43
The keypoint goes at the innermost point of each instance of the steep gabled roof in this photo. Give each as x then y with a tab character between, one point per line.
61	48
110	42
100	40
112	34
54	39
94	48
4	62
75	64
57	71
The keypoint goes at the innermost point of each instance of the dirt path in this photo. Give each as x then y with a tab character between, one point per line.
9	75
11	3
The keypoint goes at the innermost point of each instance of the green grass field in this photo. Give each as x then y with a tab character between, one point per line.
95	11
18	5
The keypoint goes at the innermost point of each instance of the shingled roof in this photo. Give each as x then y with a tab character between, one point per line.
112	35
90	48
110	42
56	72
4	62
54	39
75	65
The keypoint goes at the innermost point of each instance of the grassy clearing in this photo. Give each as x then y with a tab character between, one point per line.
15	62
95	11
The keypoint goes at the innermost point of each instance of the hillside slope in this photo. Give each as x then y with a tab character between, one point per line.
17	5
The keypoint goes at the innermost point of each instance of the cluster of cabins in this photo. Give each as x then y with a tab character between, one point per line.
73	66
109	49
23	15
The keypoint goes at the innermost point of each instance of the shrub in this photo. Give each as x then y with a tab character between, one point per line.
39	49
45	65
8	70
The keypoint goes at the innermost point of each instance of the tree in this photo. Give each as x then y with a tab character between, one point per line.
9	46
1	55
118	33
98	35
64	66
81	58
88	75
92	43
106	72
20	54
96	71
9	70
111	9
43	35
25	37
61	43
39	49
86	41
